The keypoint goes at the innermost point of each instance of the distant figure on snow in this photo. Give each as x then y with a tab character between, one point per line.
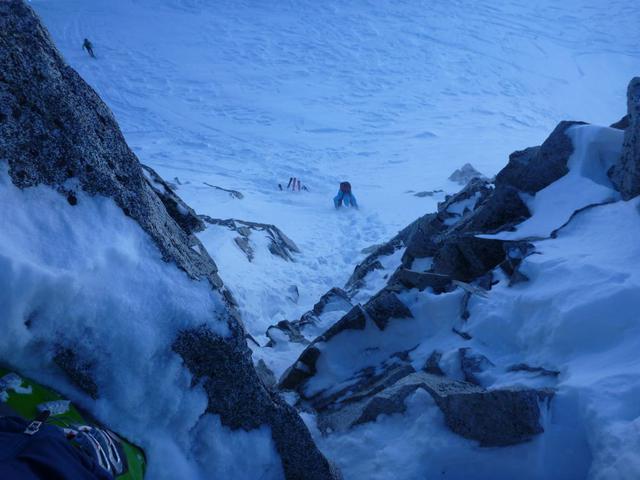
86	45
345	195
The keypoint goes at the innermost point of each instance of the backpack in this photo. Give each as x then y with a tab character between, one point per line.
62	443
32	451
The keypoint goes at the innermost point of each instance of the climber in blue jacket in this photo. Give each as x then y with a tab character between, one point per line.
345	196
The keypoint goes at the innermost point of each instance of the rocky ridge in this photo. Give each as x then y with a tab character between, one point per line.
443	253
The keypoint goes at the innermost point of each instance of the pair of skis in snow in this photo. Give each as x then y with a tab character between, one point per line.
295	185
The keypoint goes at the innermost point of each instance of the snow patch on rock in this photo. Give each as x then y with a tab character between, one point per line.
55	262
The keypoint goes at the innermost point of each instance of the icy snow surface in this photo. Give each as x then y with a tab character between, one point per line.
392	96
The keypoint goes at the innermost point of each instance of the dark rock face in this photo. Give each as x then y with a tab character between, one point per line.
523	367
456	252
242	400
182	213
404	278
303	369
79	370
422	244
535	168
472	363
495	210
384	306
467	258
372	262
495	418
216	361
625	174
354	320
432	365
622	124
502	210
53	128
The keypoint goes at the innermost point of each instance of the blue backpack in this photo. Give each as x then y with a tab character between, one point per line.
37	451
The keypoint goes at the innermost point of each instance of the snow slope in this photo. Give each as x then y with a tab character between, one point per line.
580	312
392	96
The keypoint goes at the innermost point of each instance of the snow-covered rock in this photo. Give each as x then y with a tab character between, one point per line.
106	293
374	272
380	309
457	332
277	242
534	168
334	299
373	261
287	331
311	323
465	174
476	208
